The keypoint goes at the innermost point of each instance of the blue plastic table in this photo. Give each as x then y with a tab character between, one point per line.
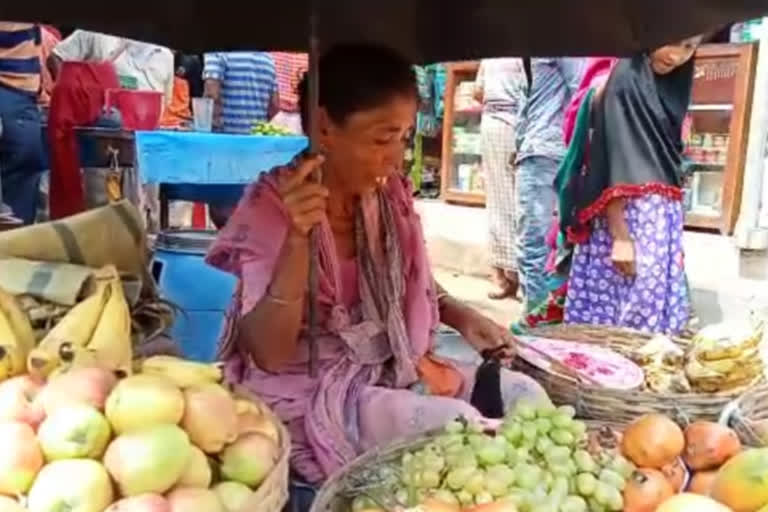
208	167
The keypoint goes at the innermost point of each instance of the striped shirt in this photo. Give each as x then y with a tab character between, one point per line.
554	81
248	83
289	68
20	56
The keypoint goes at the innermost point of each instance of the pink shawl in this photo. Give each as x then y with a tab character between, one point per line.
357	349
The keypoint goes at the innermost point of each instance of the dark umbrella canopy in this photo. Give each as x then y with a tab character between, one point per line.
424	30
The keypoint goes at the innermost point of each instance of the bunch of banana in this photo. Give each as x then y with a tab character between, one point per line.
182	372
111	341
97	331
17	338
723	359
662	363
75	329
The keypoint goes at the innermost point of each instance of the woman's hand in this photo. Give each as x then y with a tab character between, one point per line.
483	333
623	256
304	200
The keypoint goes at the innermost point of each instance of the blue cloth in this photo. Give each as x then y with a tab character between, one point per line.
21	147
554	81
211	158
536	201
248	83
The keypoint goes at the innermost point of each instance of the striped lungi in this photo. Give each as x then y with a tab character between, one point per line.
497	139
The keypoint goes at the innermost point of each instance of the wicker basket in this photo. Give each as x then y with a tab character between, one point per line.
748	416
272	494
622	406
334	496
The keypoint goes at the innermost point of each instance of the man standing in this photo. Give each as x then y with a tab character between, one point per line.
85	65
540	150
243	86
20	136
289	67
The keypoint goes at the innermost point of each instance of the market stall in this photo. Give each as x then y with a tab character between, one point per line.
717	144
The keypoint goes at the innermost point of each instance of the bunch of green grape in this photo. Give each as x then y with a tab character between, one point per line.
538	460
265	128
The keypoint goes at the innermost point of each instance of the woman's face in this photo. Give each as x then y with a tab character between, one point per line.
668	58
369	145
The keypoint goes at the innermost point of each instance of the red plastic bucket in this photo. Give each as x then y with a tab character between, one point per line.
140	110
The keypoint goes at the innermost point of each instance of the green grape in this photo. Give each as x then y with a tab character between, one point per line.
578	429
476	441
474	428
430	479
495	485
445	496
530	433
406	458
559	488
585	484
562	437
612	478
574	504
456	478
543	444
622	466
567	410
476	482
483	497
603	493
557	455
615	500
525	409
465	498
434	462
518	497
491	453
594	506
454	427
543	425
547	479
545	408
401	496
528	476
561	421
512	432
584	461
510	453
523	454
417	479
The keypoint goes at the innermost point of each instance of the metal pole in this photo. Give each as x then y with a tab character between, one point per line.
314	260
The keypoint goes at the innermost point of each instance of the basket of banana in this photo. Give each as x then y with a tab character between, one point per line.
155	433
686	379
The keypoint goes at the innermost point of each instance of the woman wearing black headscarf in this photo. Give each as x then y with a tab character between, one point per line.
627	216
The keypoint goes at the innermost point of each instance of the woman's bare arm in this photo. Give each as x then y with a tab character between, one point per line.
270	331
617	224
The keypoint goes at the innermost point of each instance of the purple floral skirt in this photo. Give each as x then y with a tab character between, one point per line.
656	299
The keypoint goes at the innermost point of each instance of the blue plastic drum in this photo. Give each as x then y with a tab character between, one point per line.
201	291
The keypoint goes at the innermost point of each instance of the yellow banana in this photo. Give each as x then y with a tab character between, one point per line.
111	341
74	356
182	372
16	337
19	320
75	329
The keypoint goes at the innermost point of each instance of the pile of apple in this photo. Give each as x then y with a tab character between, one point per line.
88	442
